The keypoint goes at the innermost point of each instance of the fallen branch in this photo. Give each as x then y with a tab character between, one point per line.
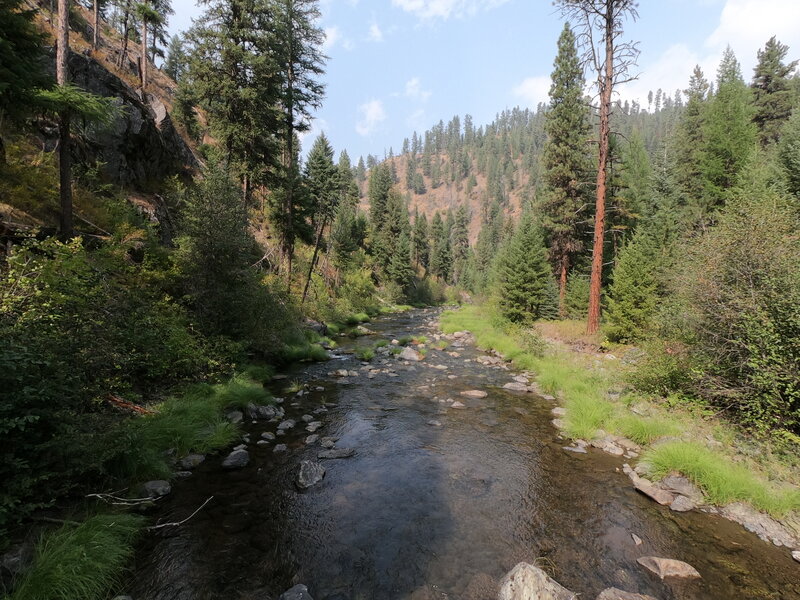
178	523
120	501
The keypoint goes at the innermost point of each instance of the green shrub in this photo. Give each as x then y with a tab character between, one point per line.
365	353
239	392
259	373
81	562
577	298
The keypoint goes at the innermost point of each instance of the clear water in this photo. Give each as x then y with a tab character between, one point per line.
429	512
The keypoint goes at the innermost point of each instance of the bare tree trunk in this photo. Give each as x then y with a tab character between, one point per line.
64	159
314	258
562	286
606	85
143	60
96	25
126	18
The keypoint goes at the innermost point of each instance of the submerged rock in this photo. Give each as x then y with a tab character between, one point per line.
617	594
457	404
576	449
474	394
515	386
668	567
298	592
526	582
310	473
796	555
336	453
236	459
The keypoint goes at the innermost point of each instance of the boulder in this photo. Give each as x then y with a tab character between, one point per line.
268	435
236	459
310	473
191	461
298	592
307	418
313	426
336	453
316	327
526	582
157	488
521	379
474	394
648	489
617	594
256	411
287	424
668	567
515	386
680	485
327	442
310	439
410	354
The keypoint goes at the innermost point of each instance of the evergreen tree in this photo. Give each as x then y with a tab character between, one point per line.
773	97
565	159
688	143
21	67
789	152
177	62
634	293
380	182
297	49
233	77
421	240
729	132
525	283
399	269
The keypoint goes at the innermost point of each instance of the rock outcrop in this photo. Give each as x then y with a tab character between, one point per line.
525	582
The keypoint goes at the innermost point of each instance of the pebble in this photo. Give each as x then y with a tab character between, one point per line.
280	448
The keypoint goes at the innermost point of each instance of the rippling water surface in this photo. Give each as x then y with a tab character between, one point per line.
426	512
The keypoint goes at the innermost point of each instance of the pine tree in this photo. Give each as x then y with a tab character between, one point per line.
421	240
524	278
789	152
177	62
688	143
297	49
634	293
729	133
232	71
565	159
21	72
380	182
773	96
323	189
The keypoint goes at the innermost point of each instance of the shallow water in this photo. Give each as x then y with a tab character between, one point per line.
429	512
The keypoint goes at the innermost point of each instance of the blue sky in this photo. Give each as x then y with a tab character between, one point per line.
401	65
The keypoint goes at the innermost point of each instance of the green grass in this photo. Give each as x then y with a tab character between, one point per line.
381	343
303	352
441	344
83	562
295	385
239	392
353	320
644	430
405	340
365	353
334	328
259	373
722	480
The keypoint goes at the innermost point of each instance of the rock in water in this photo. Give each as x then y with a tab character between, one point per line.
474	394
236	460
336	453
515	386
668	567
280	448
191	461
796	555
157	488
410	354
287	424
311	473
298	592
313	426
617	594
682	504
526	582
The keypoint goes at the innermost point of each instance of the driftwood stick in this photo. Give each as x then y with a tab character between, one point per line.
178	523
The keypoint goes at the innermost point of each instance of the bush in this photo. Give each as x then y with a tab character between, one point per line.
577	300
737	308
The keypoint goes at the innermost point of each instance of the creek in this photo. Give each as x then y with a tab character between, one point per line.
436	503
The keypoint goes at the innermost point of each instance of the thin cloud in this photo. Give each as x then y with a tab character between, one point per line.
533	90
332	35
375	33
427	10
414	90
370	115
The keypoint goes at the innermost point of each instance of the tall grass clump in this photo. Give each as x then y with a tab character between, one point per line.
722	480
239	392
82	562
259	373
643	430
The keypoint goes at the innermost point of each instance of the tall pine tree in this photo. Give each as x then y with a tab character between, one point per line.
773	96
